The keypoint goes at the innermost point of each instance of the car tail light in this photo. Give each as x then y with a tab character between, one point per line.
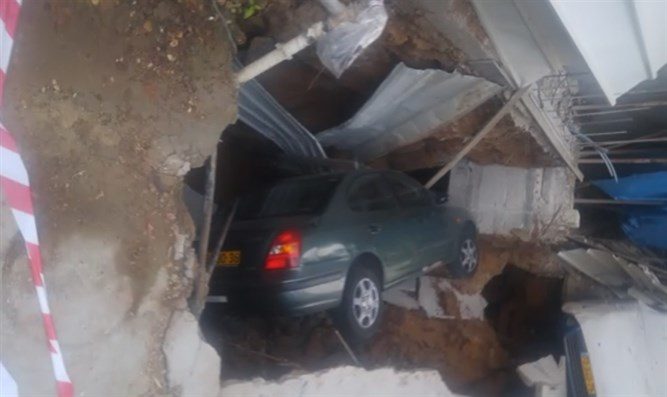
285	251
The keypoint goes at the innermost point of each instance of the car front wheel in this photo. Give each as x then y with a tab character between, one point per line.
359	314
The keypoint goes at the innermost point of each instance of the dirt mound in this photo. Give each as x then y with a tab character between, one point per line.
507	144
464	352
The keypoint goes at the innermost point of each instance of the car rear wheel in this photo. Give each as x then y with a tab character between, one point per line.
467	258
358	317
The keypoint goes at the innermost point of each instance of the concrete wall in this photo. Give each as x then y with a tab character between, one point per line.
508	200
107	125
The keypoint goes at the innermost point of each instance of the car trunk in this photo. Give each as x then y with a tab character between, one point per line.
253	238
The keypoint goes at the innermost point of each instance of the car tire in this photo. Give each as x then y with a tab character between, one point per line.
359	315
467	255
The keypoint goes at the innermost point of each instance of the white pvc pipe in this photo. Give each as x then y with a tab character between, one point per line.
282	52
333	7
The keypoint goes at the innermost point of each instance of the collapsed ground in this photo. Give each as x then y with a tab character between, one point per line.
478	356
113	102
474	356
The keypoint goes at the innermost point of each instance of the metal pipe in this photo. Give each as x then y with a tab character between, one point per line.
627	142
619	202
221	238
585	153
620	106
604	133
611	111
626	161
282	52
208	208
625	119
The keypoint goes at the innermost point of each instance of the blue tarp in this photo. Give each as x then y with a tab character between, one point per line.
644	225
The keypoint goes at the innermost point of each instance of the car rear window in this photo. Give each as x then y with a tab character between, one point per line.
301	196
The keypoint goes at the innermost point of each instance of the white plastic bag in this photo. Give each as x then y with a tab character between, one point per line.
341	46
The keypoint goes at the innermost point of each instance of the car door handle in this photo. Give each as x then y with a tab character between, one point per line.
374	229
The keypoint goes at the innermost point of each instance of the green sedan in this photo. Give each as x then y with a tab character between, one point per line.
336	241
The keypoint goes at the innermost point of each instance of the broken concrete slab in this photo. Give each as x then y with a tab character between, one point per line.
533	202
546	375
433	299
345	381
193	366
435	295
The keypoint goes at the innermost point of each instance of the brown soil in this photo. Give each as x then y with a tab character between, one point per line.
415	41
507	144
466	11
465	352
497	252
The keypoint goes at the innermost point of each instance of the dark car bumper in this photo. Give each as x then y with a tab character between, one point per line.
279	292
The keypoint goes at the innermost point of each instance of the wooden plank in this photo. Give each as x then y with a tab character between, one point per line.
475	140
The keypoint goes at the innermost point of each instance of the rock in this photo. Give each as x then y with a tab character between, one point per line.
174	165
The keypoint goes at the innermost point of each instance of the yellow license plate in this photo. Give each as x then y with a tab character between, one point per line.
588	374
229	258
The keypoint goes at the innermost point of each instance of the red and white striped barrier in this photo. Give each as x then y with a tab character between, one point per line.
16	188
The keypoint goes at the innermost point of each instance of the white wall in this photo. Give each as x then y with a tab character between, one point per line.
504	199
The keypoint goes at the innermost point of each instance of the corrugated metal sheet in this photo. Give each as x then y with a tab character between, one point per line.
259	110
408	106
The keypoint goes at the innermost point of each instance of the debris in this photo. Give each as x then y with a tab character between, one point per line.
349	381
402	295
546	375
432	298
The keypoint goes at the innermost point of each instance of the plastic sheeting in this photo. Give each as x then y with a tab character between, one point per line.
340	47
407	107
259	110
644	225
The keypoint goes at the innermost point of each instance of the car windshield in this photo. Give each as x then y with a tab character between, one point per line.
301	196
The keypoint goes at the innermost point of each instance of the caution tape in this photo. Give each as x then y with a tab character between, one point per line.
16	188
